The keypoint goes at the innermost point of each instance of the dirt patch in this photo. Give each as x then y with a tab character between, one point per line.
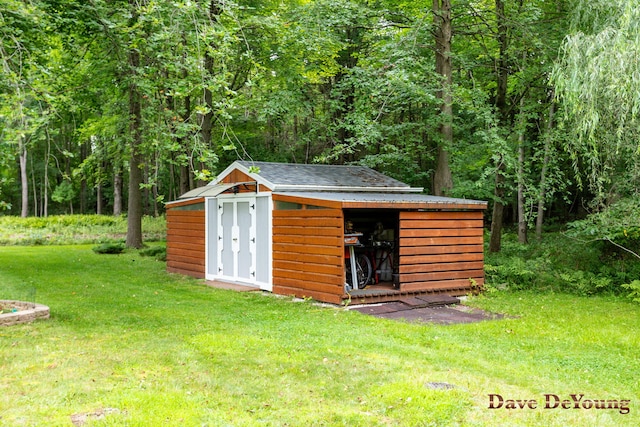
437	314
82	418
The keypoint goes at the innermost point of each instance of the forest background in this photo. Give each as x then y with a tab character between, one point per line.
119	106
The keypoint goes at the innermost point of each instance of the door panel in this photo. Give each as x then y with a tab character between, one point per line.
244	255
226	243
243	240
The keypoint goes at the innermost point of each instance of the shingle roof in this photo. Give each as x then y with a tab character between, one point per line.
324	176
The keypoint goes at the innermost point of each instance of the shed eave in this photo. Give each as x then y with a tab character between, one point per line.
186	201
397	200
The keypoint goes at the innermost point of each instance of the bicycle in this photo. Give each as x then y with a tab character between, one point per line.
367	260
364	271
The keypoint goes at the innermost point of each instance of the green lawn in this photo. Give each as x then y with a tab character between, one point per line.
166	350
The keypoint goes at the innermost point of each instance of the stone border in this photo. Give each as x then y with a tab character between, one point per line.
28	312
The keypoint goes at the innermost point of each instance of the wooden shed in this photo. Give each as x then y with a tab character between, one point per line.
314	230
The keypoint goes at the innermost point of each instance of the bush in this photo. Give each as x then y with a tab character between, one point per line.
159	252
562	264
617	228
109	248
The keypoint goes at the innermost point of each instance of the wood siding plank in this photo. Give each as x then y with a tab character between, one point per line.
439	215
452	249
448	223
310	258
315	269
440	232
442	259
304	222
326	241
312	231
187	260
313	285
442	285
451	267
441	275
441	241
329	297
329	249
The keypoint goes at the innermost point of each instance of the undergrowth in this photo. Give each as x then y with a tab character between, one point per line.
75	229
561	263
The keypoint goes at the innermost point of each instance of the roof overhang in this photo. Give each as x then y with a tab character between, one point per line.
386	200
212	190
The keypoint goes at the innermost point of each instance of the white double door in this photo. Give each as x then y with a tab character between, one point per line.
241	233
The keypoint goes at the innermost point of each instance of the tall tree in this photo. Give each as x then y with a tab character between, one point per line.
20	41
134	205
442	179
502	75
597	79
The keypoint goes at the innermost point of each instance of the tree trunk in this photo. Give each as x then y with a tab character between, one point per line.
442	179
99	199
206	120
45	189
184	179
117	191
501	104
34	188
145	190
543	173
522	220
85	149
24	178
134	211
495	240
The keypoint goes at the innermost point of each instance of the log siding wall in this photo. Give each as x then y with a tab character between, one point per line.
186	242
441	251
308	253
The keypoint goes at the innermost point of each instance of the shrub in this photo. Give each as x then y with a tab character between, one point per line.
159	252
617	228
109	248
634	288
562	264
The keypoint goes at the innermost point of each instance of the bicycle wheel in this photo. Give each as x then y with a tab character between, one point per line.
364	271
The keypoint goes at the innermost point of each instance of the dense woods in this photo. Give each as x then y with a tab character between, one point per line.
119	106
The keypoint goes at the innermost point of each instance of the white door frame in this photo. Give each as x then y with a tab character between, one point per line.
216	243
240	239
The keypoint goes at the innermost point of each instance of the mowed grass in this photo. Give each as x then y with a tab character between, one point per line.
163	349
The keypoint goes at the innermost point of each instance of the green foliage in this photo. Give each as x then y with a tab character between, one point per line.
157	252
616	226
634	290
67	229
64	192
109	248
597	78
560	264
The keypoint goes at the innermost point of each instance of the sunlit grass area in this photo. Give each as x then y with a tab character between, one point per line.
161	349
74	229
